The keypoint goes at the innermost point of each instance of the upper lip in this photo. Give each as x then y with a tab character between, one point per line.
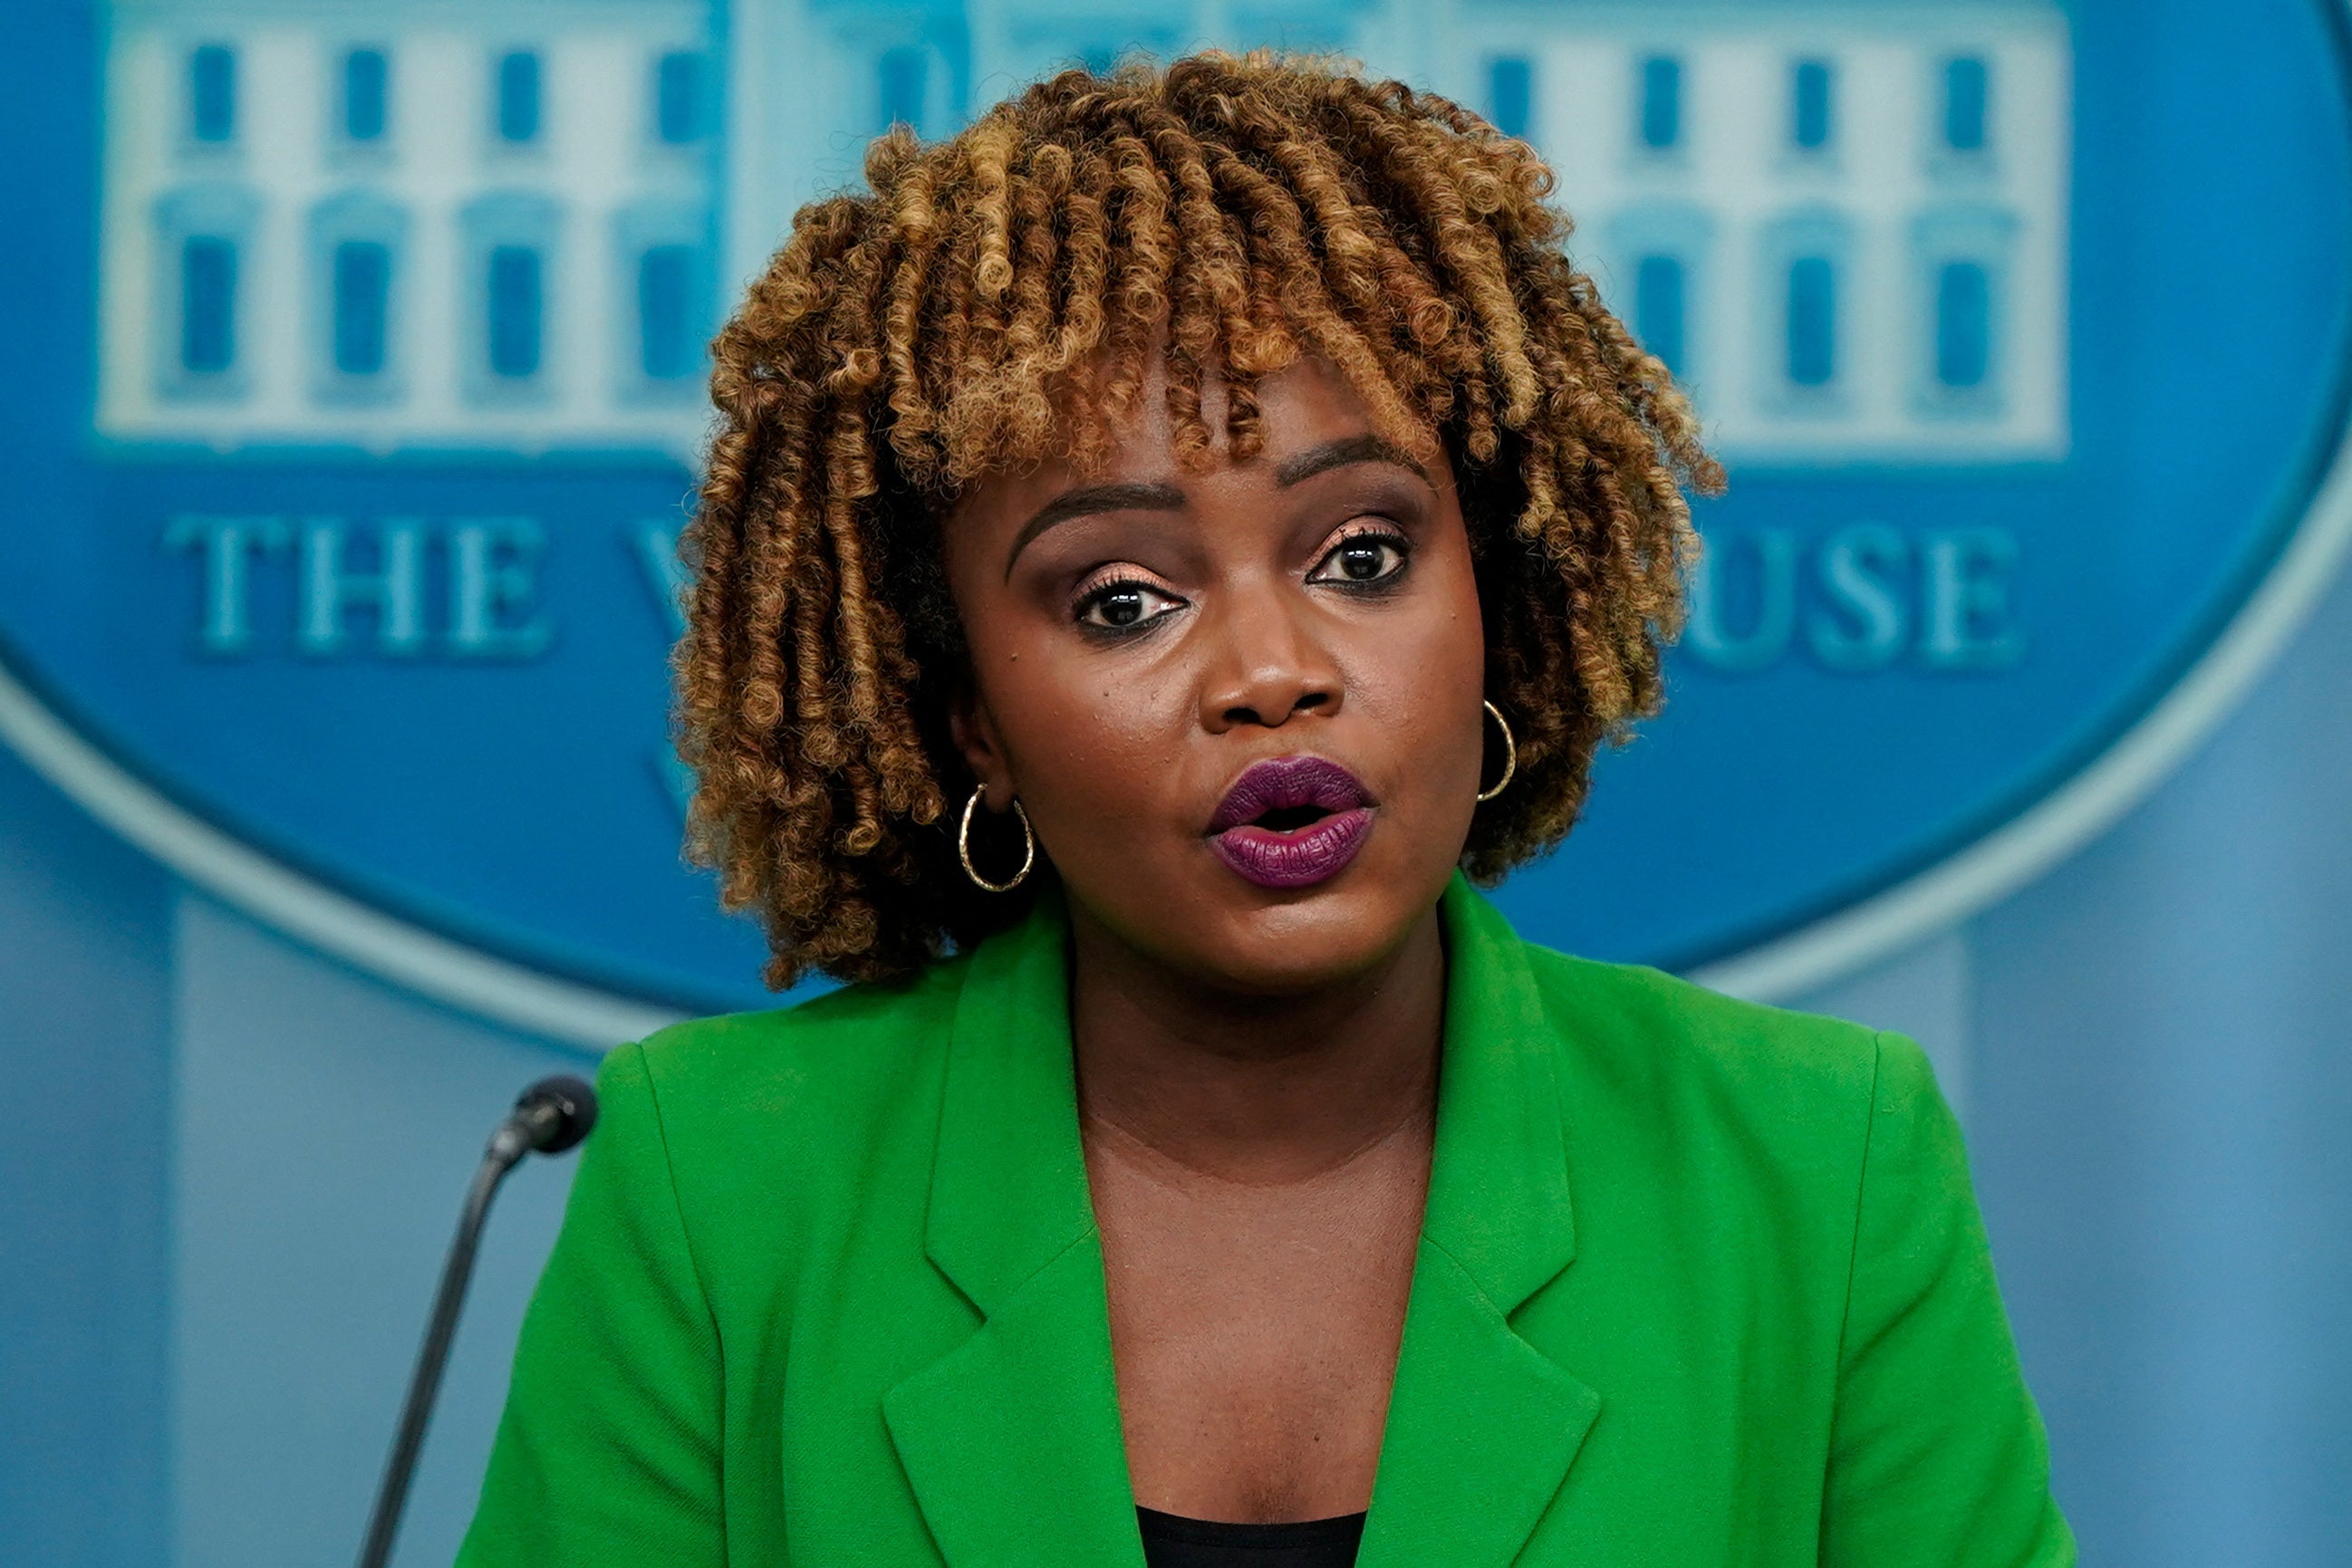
1282	781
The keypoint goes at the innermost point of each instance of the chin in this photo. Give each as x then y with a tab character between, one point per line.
1312	938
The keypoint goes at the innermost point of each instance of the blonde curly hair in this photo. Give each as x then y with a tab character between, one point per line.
996	300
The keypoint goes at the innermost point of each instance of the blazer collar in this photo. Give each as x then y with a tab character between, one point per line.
1009	1181
1499	1202
1012	1440
1483	1425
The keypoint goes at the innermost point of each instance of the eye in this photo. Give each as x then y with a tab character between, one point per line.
1126	605
1370	557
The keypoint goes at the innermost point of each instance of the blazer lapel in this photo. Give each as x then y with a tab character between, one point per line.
1012	1440
1482	1426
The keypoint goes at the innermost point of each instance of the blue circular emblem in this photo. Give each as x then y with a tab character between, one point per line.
354	391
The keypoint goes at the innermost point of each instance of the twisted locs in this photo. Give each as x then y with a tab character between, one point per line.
996	299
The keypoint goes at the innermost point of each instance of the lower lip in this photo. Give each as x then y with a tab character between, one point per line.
1316	853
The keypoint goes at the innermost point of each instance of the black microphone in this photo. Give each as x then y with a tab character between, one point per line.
553	1115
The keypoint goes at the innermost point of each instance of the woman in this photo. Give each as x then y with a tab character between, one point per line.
1161	546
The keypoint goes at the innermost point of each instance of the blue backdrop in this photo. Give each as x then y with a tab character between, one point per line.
352	410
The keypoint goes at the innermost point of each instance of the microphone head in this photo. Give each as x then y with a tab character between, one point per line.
559	1112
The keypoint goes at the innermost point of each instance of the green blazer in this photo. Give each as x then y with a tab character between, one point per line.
1701	1283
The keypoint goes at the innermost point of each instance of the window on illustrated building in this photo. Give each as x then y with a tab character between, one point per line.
1966	92
355	258
208	305
669	335
212	93
1958	362
1653	257
903	76
664	252
1809	106
517	97
1661	102
1658	308
509	242
366	84
1963	325
362	307
516	307
1811	321
206	268
1510	94
679	112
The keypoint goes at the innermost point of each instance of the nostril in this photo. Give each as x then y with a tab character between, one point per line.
1249	713
1270	700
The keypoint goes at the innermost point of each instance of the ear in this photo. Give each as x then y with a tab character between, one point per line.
973	729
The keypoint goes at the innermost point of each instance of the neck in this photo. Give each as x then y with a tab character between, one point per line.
1251	1088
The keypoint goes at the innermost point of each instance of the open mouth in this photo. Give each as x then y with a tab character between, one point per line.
1289	819
1291	822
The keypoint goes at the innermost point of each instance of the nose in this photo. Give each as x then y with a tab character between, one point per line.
1268	666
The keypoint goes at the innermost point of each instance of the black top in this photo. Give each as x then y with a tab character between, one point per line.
1171	1541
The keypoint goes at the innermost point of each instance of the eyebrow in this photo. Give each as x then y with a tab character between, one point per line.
1160	496
1089	499
1340	454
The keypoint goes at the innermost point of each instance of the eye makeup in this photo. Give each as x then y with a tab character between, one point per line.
1118	601
1382	550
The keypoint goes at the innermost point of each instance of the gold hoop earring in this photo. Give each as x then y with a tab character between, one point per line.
963	848
1510	752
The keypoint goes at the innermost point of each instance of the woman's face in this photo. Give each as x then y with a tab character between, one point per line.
1241	707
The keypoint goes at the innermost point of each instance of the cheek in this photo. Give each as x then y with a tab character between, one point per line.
1087	737
1421	673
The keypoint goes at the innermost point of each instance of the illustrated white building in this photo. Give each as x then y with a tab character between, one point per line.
1845	224
511	224
486	224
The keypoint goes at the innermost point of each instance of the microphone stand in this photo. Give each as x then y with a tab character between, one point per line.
551	1117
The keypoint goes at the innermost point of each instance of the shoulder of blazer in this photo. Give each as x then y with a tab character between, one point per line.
746	1101
1663	1047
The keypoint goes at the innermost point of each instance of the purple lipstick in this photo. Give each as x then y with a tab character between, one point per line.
1291	822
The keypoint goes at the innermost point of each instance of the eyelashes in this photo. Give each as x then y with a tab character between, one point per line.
1365	560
